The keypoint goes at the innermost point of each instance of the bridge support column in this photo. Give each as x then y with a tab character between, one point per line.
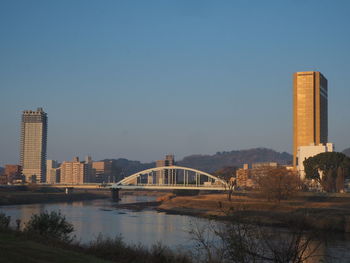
115	194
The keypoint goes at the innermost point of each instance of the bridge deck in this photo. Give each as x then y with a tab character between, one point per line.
169	187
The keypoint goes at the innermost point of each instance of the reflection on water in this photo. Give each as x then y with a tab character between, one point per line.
99	216
146	227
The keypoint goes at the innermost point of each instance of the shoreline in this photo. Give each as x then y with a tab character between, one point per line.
325	214
8	198
38	195
321	215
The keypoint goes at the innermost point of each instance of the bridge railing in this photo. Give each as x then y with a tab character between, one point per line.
183	185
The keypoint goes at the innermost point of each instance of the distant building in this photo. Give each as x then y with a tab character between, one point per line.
52	172
90	171
246	177
305	152
263	165
88	159
53	176
103	172
3	179
33	145
51	164
310	110
75	172
14	173
165	176
243	177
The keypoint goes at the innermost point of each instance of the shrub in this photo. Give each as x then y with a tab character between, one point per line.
108	248
4	221
52	225
239	241
182	192
117	250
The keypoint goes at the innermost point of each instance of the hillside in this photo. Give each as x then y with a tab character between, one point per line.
208	163
347	152
123	167
211	163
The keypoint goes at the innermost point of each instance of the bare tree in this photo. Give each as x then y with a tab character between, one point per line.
278	183
239	241
208	246
228	174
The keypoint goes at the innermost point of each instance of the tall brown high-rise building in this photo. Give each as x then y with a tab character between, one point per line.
310	110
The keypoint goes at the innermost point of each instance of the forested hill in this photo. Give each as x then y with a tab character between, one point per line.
211	163
123	167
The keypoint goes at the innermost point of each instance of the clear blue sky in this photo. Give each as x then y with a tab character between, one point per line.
139	79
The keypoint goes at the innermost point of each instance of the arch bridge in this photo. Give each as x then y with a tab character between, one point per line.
171	177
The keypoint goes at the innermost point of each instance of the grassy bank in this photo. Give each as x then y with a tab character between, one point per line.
36	194
326	212
49	237
16	248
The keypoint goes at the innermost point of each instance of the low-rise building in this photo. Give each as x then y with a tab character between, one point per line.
243	177
12	174
246	177
103	172
53	176
75	172
52	172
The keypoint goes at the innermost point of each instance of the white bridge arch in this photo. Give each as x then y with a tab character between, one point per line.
171	177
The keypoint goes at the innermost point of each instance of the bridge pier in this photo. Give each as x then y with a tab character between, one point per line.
115	194
68	190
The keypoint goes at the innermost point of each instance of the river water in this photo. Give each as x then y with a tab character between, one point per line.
90	218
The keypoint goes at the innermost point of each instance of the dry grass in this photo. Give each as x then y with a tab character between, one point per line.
323	211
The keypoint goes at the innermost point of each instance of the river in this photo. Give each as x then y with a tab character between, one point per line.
90	218
100	216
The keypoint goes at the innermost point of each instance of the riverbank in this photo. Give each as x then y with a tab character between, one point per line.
324	212
36	194
16	249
